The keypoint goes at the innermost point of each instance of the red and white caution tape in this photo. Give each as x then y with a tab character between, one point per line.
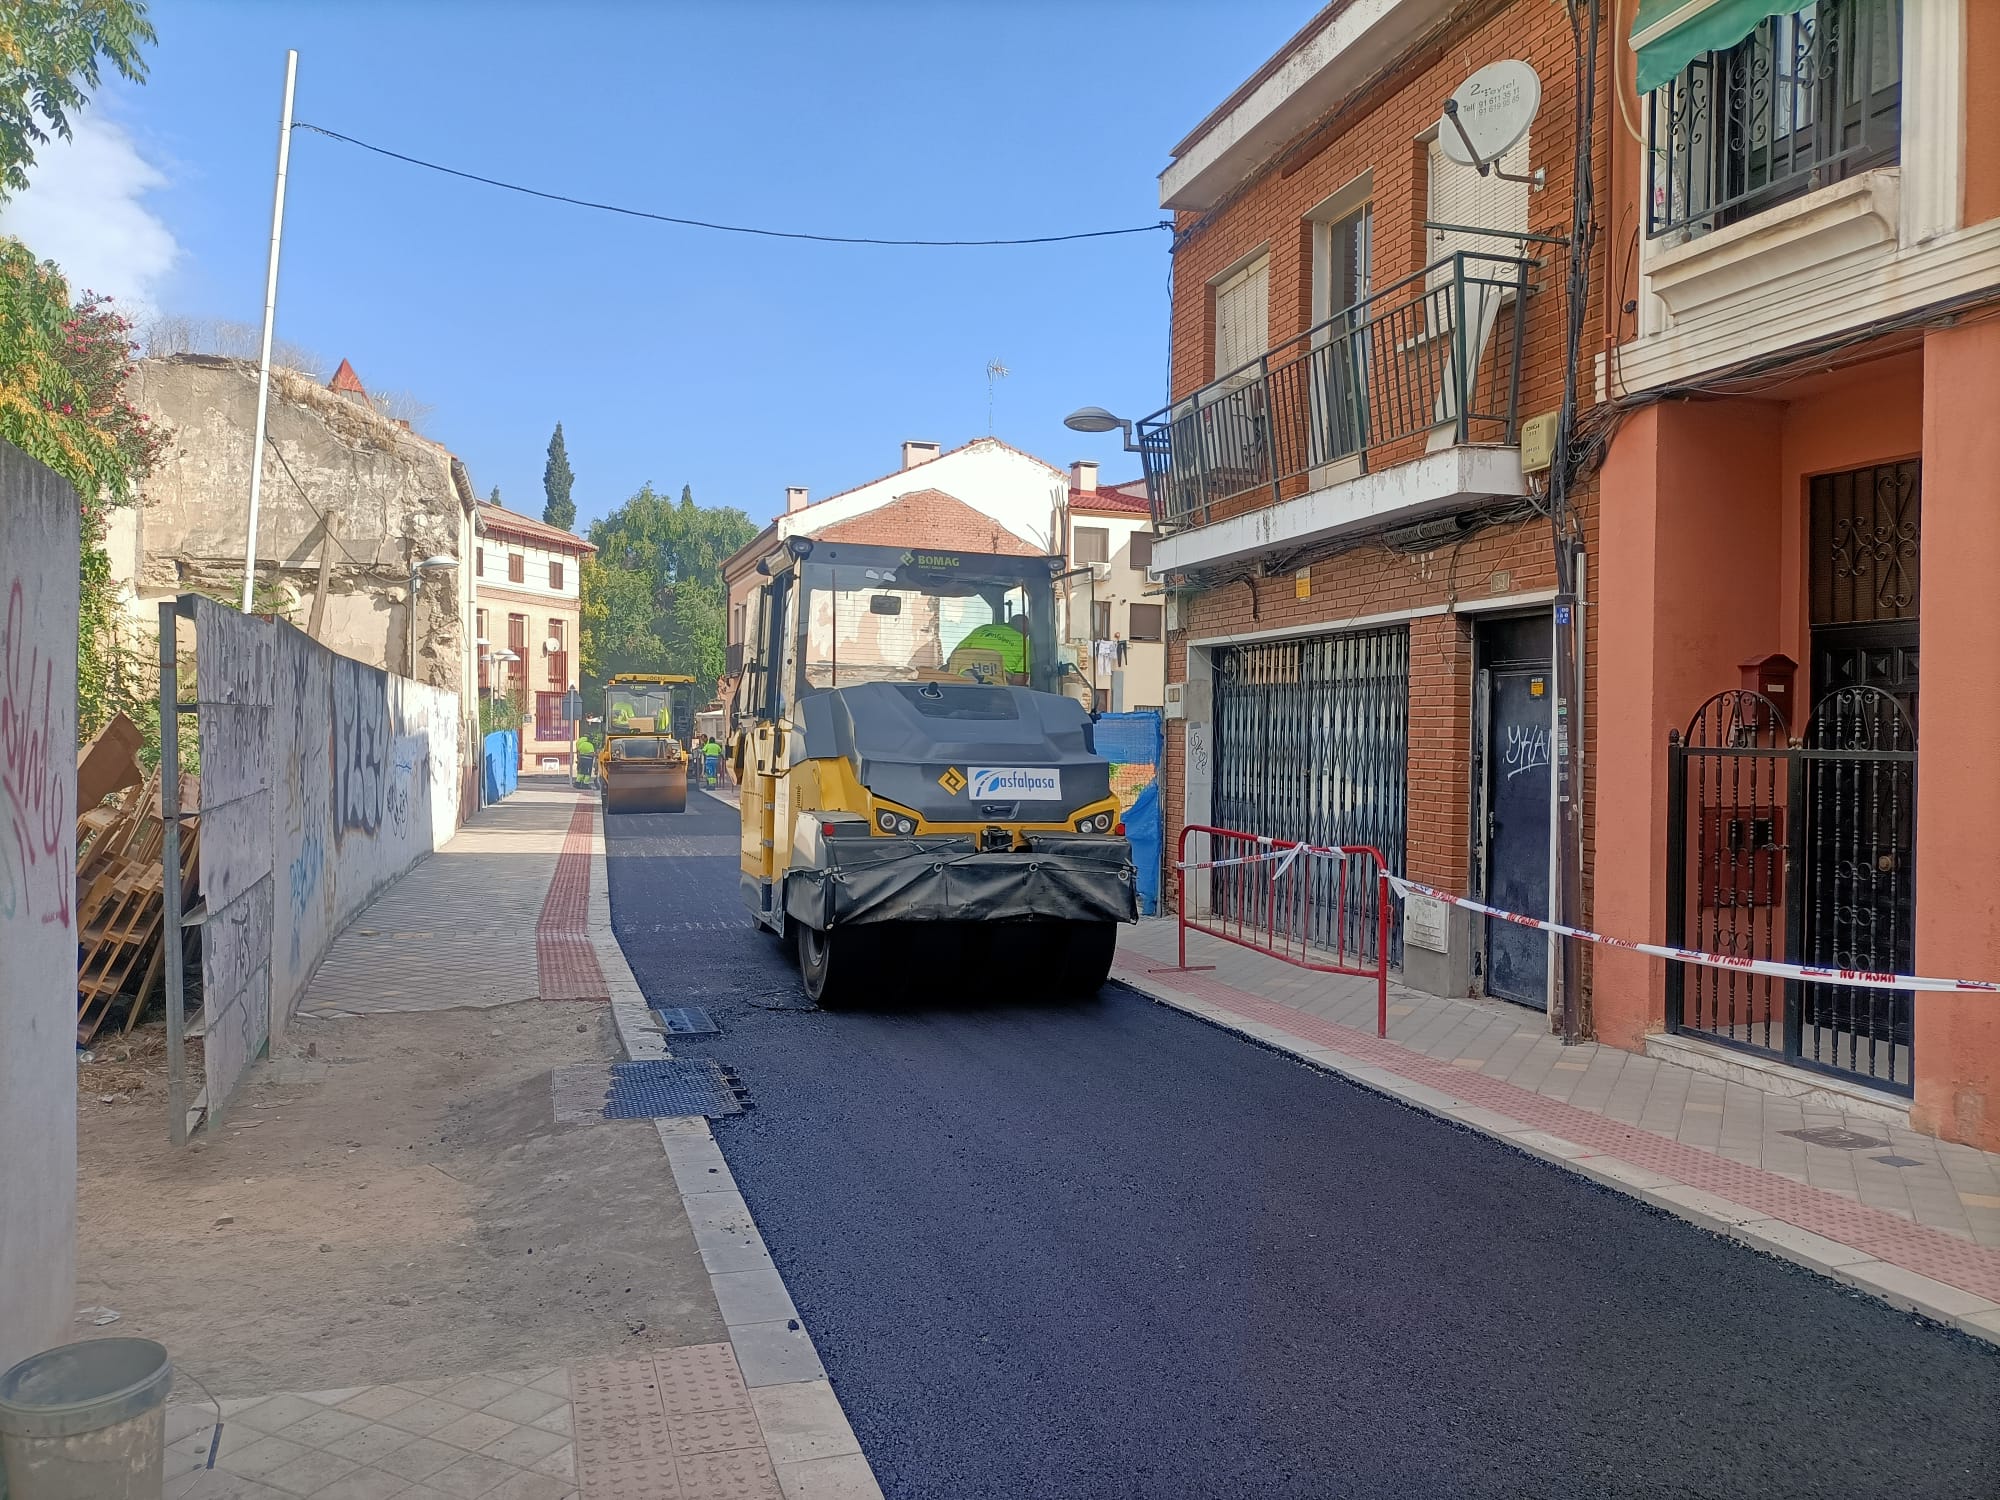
1858	978
1284	857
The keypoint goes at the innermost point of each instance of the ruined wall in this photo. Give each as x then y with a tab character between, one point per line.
388	497
323	780
38	603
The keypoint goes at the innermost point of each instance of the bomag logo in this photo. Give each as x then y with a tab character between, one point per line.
929	560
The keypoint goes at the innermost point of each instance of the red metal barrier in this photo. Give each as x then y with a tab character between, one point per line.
1304	904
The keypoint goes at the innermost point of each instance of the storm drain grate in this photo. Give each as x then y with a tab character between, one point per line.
685	1020
657	1088
1835	1137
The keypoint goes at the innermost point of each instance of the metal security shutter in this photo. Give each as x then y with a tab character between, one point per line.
1312	739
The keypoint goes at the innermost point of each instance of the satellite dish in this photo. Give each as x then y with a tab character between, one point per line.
1488	114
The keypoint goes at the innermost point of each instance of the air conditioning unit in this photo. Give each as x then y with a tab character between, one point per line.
551	646
1175	706
1101	571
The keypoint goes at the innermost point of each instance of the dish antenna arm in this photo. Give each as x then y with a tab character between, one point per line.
1537	179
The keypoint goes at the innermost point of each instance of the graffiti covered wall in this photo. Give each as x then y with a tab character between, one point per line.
335	778
38	603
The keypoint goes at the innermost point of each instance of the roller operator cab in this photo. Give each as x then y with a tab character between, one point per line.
920	805
643	763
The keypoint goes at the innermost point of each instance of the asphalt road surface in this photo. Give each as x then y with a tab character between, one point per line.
1106	1250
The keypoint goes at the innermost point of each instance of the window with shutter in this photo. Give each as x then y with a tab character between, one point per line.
1459	195
1142	550
1100	619
1243	316
555	575
479	561
1146	622
517	568
1092	544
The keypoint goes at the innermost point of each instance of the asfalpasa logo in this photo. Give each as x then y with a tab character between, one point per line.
1017	783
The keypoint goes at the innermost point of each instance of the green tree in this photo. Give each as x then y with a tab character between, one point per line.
494	498
63	369
51	56
559	510
653	595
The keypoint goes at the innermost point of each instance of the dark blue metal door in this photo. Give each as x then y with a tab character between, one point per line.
1518	803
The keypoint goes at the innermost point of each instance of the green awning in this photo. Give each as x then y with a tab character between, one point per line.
1669	34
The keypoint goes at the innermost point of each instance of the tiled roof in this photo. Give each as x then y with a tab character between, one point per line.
994	441
927	518
497	518
347	382
1111	503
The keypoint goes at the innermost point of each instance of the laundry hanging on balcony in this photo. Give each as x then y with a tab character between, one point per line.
1667	35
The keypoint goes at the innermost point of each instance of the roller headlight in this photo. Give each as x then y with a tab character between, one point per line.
905	826
1100	823
886	821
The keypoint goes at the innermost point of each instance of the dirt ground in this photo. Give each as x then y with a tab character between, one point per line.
390	1200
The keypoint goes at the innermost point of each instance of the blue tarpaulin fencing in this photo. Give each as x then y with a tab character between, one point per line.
503	763
1135	744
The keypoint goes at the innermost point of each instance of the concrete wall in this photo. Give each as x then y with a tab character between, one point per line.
323	780
391	498
38	603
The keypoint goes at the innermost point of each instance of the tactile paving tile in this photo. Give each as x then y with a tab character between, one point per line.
663	1088
714	1431
615	1413
728	1476
683	1020
639	1479
700	1378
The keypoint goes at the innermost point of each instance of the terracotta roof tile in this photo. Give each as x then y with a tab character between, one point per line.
347	382
497	518
1112	501
927	518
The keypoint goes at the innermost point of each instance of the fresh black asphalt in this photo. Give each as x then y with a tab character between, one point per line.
1105	1250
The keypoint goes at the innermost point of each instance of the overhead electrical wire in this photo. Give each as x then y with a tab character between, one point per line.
687	223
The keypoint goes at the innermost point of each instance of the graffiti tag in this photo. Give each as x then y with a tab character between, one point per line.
361	743
38	856
1527	748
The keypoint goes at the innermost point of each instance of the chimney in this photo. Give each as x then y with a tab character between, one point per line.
795	498
1083	474
918	453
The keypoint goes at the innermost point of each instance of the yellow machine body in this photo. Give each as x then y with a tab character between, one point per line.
642	765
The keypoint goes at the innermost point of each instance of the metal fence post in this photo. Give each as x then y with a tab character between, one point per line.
1382	900
1676	925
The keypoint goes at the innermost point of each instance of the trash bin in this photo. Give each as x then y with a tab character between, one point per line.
86	1421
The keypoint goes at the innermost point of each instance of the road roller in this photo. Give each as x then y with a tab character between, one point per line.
919	801
643	762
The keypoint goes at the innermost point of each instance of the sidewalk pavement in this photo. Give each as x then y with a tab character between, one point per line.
1901	1216
515	908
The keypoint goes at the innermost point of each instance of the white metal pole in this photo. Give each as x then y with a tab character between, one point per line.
270	317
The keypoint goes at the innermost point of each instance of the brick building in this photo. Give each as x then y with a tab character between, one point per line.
1360	575
528	580
1788	365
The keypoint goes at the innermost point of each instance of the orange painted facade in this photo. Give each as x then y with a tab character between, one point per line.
1708	551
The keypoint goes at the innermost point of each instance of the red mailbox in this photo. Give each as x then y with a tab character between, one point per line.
1775	676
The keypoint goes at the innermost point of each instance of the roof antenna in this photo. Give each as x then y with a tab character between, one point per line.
996	369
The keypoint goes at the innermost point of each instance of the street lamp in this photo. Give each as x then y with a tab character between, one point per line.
1097	419
437	564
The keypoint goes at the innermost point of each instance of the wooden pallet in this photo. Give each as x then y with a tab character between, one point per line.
119	910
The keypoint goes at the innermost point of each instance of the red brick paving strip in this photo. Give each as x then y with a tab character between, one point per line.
1915	1247
563	951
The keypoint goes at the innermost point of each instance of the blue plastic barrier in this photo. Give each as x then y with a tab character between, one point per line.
1135	744
503	763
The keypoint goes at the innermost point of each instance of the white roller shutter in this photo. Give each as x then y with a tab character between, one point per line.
1459	195
1243	316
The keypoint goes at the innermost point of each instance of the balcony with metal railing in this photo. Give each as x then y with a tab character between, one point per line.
1404	388
1809	98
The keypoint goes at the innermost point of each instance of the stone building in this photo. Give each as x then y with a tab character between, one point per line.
351	502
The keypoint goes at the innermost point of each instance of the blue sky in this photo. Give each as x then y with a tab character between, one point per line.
677	356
